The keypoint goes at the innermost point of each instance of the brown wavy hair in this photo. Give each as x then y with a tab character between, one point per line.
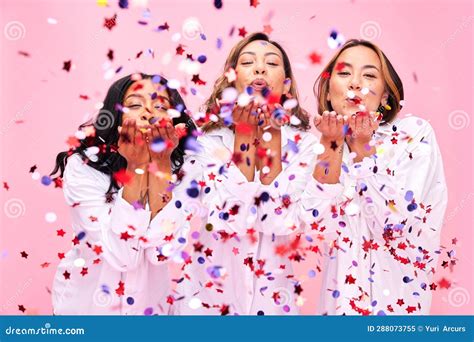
393	83
221	83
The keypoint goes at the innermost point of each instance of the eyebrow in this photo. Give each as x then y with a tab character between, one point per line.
159	97
367	66
254	54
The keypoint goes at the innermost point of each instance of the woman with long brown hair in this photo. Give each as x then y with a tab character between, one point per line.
256	154
388	193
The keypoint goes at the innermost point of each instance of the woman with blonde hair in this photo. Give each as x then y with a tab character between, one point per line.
256	153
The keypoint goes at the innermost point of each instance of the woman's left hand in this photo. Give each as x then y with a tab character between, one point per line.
162	140
362	128
269	119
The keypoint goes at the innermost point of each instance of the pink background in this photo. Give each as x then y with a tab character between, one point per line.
430	44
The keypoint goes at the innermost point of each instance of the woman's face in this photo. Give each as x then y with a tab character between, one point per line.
146	102
260	65
356	83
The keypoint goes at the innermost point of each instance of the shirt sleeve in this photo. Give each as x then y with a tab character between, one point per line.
403	202
405	197
111	229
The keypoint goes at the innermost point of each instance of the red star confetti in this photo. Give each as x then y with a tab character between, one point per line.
110	22
242	32
5	186
267	29
67	275
60	232
444	283
339	66
67	65
45	264
97	249
120	290
325	75
125	236
83	97
298	289
224	310
58	182
84	271
350	279
179	50
24	255
24	53
197	80
315	58
254	3
73	142
33	168
21	308
123	176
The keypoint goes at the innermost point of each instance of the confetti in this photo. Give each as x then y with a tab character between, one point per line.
315	58
110	23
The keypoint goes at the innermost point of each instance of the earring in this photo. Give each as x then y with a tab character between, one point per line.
382	108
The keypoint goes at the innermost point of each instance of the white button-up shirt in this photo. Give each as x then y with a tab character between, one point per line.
235	267
381	224
114	266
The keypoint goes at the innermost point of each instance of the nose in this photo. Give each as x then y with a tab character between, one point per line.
147	115
260	68
354	84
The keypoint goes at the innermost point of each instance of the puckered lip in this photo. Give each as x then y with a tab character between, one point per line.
259	83
356	100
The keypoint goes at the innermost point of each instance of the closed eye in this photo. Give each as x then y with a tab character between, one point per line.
159	107
134	106
370	76
343	73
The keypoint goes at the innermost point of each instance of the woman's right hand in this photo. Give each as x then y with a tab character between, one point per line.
132	145
331	126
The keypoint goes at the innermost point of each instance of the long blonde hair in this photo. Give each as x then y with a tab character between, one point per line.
222	82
